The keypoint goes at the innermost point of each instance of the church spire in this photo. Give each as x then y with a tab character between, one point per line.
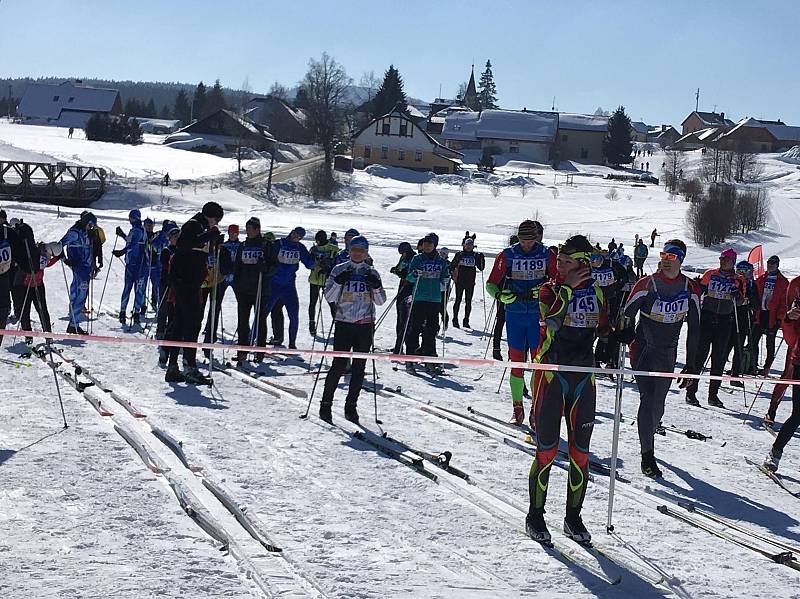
471	94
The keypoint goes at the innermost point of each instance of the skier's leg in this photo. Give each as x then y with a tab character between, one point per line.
341	342
719	346
516	332
468	293
790	426
430	328
457	302
703	349
292	303
579	411
361	341
130	281
548	426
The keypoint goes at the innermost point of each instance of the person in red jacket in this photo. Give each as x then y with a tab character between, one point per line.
791	334
772	286
789	427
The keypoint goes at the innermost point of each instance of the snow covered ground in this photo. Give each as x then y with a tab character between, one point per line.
83	516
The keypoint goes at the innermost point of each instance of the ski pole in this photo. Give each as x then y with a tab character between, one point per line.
320	293
739	345
374	369
213	313
319	368
108	272
257	313
444	317
382	317
483	288
69	299
615	438
408	316
502	378
48	344
758	392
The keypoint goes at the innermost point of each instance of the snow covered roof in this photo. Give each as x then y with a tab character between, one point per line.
640	127
784	132
708	134
501	124
711	118
42	100
582	122
414	112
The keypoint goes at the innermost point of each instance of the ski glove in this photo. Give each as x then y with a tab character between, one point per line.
624	336
120	232
683	383
507	296
373	281
119	253
343	276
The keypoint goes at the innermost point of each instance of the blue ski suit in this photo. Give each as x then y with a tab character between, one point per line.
290	255
78	256
136	268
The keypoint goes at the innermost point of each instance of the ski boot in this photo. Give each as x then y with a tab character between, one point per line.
649	466
536	527
137	318
195	377
275	341
574	528
714	401
773	460
325	412
691	399
312	328
738	384
497	355
525	392
350	412
768	422
162	357
519	414
122	319
173	375
411	368
465	324
455	321
292	346
433	369
75	330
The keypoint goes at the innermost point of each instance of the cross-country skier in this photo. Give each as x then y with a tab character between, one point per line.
721	287
612	278
324	254
355	288
640	256
792	316
9	242
290	254
428	273
778	391
255	262
136	266
166	309
156	242
772	286
186	275
518	273
344	255
32	259
404	289
464	267
574	312
741	335
664	301
78	256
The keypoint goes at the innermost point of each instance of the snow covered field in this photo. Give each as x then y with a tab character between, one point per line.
82	516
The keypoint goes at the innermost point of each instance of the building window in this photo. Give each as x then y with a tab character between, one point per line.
513	149
418	156
564	137
386	129
401	154
367	151
403	129
384	152
55	98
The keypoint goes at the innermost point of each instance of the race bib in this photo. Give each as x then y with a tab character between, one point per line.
252	256
670	310
5	257
289	256
430	270
355	291
584	309
720	287
528	269
604	276
468	261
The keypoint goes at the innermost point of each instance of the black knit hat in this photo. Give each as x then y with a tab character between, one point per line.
529	229
321	237
576	246
213	210
774	259
253	222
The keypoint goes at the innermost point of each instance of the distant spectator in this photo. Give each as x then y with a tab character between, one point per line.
71	131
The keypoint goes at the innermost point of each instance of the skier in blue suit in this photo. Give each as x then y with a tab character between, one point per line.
136	267
78	256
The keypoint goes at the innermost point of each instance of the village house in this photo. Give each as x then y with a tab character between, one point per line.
639	131
698	120
528	134
66	104
395	139
580	137
225	128
754	135
665	135
284	122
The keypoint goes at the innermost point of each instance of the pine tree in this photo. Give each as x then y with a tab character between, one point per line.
150	109
198	107
3	106
487	91
216	99
390	93
165	113
182	110
617	146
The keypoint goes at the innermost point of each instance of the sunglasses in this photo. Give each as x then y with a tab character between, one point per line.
669	257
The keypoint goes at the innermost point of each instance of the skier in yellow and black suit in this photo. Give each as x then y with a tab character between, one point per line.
575	312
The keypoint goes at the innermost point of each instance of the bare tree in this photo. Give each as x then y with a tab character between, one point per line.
691	188
324	86
279	91
371	83
747	168
717	165
673	169
245	96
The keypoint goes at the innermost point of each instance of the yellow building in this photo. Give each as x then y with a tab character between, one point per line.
395	140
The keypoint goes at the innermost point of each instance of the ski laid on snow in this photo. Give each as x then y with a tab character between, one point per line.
776	478
407	458
442	460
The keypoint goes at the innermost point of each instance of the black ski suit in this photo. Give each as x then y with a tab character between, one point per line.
464	267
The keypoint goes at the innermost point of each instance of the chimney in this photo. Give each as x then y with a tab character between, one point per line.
722	115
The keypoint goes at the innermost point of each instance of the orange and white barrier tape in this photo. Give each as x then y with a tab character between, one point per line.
385	357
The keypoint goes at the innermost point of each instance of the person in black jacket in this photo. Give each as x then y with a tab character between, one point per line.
255	262
404	291
464	267
9	244
186	275
612	278
166	309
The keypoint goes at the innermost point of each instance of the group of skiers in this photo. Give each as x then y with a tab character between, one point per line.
575	304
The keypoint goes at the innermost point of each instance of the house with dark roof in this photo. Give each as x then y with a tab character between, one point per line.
66	104
639	131
703	120
580	137
664	135
530	134
284	122
396	139
227	128
702	138
755	135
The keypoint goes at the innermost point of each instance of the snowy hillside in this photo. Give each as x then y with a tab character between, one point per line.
83	516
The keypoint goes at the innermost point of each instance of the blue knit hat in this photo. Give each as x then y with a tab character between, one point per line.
135	214
300	231
352	233
359	241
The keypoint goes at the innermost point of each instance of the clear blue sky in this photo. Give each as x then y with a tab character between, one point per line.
647	55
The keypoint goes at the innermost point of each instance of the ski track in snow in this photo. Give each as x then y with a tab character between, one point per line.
82	515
